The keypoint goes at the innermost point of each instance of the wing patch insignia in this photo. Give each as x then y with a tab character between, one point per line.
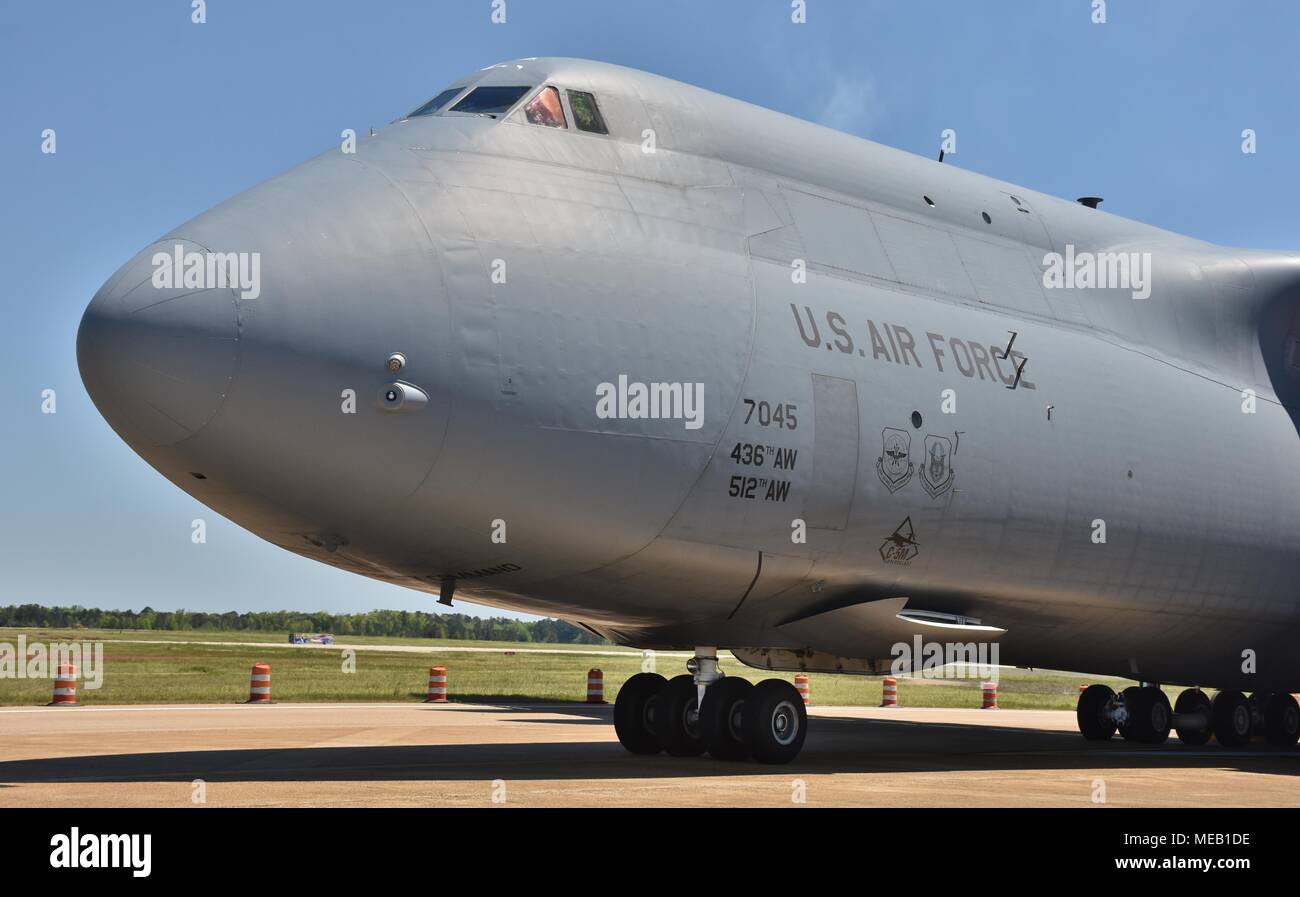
936	469
894	466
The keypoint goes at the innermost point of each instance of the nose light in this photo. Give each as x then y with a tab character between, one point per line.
399	396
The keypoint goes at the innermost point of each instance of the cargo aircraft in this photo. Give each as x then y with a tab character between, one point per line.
577	340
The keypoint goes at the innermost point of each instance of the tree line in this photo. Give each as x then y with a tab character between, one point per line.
408	624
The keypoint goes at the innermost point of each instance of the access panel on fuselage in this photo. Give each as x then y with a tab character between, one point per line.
835	452
788	459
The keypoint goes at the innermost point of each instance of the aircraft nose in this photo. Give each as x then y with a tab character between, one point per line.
157	357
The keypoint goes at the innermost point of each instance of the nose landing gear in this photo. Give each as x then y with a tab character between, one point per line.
706	711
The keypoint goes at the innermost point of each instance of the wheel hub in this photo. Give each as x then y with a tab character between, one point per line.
691	720
735	721
785	723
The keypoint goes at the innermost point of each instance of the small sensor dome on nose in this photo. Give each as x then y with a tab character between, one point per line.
396	362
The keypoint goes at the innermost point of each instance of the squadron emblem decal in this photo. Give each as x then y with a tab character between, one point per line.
894	466
936	470
900	547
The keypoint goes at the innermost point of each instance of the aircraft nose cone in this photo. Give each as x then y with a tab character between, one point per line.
158	357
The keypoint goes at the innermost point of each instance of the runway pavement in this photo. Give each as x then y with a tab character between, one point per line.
567	755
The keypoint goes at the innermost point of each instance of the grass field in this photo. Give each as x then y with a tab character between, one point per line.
270	638
188	668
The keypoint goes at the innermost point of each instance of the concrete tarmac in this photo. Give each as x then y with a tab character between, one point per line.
567	755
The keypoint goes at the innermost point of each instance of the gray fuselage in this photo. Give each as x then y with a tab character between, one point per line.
1120	492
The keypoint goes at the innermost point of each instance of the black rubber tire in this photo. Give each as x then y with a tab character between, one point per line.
1256	701
634	713
1149	715
1127	731
721	718
1230	713
1281	719
775	721
677	720
1193	700
1092	713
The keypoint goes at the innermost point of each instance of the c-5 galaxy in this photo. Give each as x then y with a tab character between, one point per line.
577	340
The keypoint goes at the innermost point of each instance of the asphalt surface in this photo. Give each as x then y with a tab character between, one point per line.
567	755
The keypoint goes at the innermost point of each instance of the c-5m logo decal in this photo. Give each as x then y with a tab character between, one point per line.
900	547
894	466
936	470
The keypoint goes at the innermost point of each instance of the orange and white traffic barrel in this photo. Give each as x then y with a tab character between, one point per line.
437	685
1083	687
65	686
801	686
595	687
990	696
259	685
889	692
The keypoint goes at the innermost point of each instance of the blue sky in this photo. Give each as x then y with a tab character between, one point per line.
158	118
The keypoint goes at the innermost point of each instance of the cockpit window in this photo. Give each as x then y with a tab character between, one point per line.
545	109
437	102
586	115
490	100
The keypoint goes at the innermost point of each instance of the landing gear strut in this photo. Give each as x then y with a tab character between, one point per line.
706	711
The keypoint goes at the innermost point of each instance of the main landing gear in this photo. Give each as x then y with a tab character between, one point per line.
704	710
1143	714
